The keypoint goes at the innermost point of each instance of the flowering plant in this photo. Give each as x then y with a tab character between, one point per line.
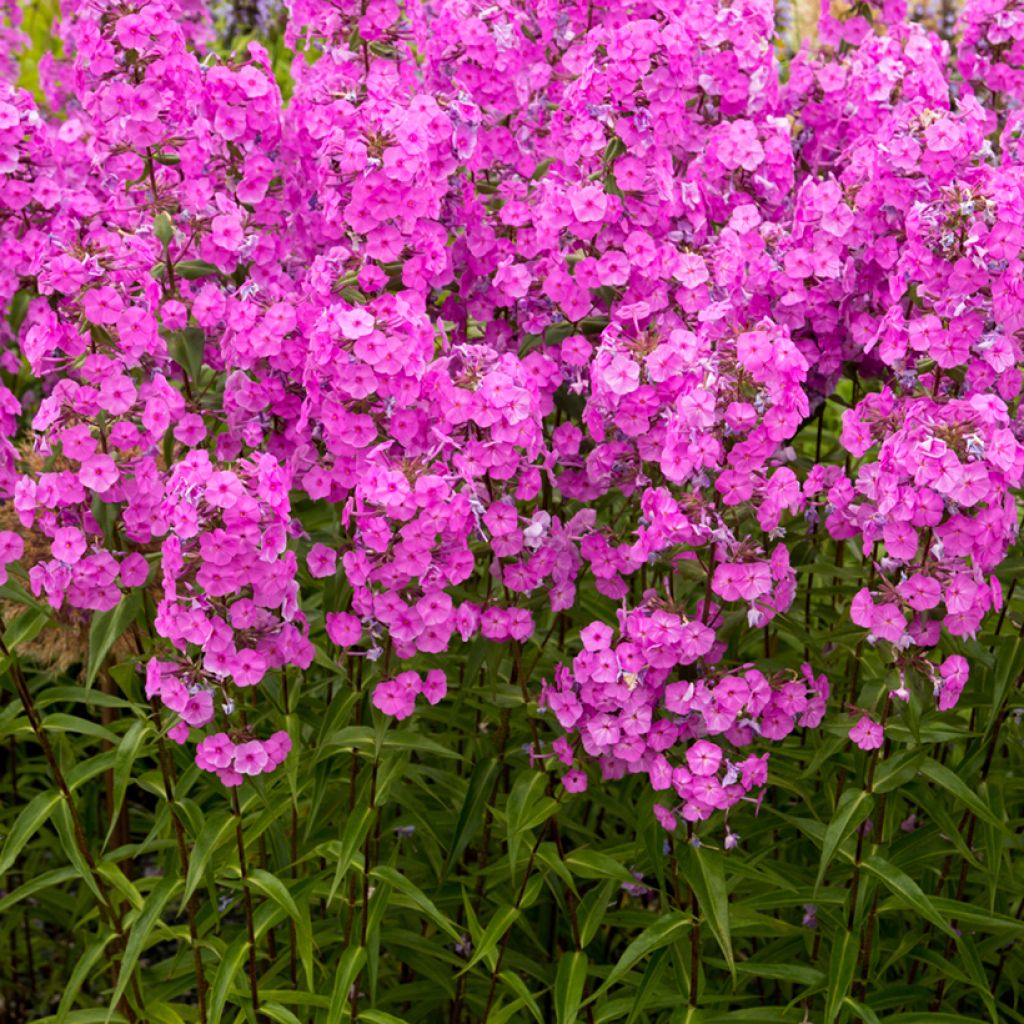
643	397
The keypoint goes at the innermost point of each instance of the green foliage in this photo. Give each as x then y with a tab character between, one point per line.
428	871
37	25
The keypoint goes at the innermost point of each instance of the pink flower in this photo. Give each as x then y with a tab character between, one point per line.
12	547
134	570
690	271
99	473
397	697
588	203
596	637
322	561
102	305
223	489
190	429
227	232
250	758
278	747
659	773
494	624
179	733
248	667
343	629
665	817
704	758
434	686
953	673
622	375
68	545
745	581
435	608
921	592
215	752
867	734
888	622
198	710
740	146
519	623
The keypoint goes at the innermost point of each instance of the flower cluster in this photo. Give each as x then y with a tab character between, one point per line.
532	303
631	711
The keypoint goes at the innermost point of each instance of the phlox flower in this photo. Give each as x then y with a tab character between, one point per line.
867	734
397	697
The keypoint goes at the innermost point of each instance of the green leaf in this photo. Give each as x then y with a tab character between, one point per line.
854	807
471	815
593	909
864	1013
25	628
188	348
512	981
218	827
403	885
345	973
62	822
487	944
60	722
897	770
569	982
275	890
229	969
98	1016
978	918
908	890
356	827
708	881
587	863
648	984
841	967
660	933
758	1015
192	270
540	170
38	884
797	974
19	308
956	787
31	819
970	959
547	854
105	630
124	759
279	1013
527	791
85	967
927	1018
163	228
15	593
140	930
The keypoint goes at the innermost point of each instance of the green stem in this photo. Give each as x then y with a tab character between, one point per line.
108	908
192	907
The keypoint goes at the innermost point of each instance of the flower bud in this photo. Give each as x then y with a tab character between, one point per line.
163	228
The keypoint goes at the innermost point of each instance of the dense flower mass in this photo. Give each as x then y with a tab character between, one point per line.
532	302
